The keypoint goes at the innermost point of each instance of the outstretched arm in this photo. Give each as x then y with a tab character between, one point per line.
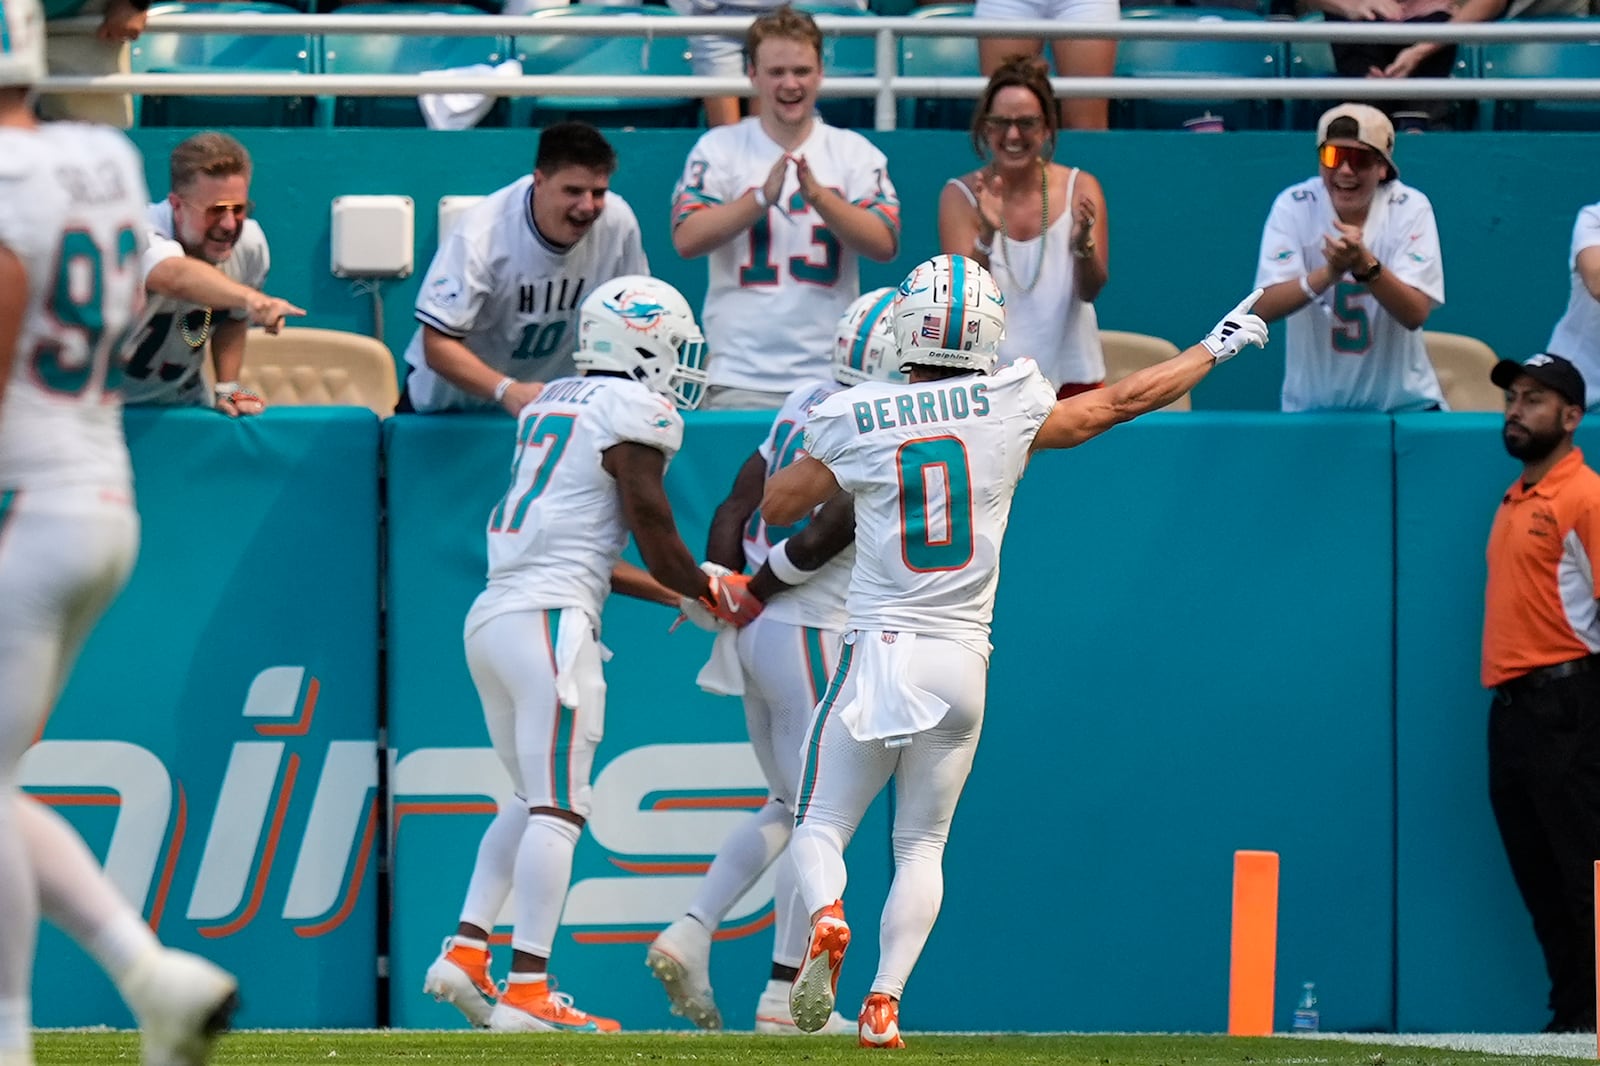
639	470
630	580
725	542
830	531
793	491
1087	415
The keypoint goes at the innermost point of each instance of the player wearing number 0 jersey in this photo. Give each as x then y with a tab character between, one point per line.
72	203
590	455
932	465
1352	258
783	662
498	308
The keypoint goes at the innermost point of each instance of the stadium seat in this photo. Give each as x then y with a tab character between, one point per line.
220	53
938	57
1463	364
303	367
844	57
1127	352
1547	59
387	53
1314	59
1198	59
554	52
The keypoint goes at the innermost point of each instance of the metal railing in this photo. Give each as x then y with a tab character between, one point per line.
886	86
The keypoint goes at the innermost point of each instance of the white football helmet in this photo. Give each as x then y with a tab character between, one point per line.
949	313
643	327
863	342
21	43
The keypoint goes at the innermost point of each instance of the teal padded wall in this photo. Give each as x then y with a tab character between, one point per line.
1185	212
218	740
671	775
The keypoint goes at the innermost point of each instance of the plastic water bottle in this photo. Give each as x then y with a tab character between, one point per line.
1307	1019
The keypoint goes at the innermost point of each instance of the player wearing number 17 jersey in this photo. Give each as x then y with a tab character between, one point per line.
784	205
72	204
932	465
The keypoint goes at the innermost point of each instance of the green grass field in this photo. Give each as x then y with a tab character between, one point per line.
363	1048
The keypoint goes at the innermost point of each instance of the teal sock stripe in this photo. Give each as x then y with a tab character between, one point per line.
808	779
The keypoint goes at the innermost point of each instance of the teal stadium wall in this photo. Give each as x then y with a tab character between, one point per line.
1185	210
1216	631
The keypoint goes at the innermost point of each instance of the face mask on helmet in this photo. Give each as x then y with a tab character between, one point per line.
949	313
643	327
863	342
22	28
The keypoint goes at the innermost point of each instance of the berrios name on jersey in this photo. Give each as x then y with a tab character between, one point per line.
933	467
777	290
167	350
72	207
557	532
819	602
511	296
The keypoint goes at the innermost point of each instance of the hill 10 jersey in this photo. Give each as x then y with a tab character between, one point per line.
557	532
169	346
777	290
1344	351
511	296
72	209
933	467
818	602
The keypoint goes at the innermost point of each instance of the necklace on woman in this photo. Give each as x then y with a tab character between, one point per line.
1044	224
190	339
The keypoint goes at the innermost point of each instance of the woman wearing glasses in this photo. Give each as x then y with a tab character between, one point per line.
1037	226
1351	256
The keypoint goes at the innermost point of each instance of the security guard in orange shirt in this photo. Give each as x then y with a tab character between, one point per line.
1541	657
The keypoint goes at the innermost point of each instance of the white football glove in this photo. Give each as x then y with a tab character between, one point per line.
691	610
1237	329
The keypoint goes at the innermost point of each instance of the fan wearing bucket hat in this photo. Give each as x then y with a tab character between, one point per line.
1541	660
1351	258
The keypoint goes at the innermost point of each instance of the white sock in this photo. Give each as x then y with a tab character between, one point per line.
744	856
459	941
908	916
76	894
818	856
16	1029
791	926
527	978
544	871
19	906
491	873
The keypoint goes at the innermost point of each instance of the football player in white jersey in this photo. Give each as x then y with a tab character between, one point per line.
785	658
932	465
207	214
784	205
1352	257
72	203
590	455
498	310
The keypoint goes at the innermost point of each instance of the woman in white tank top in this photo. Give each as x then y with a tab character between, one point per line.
1038	227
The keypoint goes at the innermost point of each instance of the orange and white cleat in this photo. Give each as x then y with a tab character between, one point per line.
816	986
460	977
880	1021
536	1007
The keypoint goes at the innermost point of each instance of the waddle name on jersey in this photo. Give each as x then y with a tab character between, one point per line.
570	391
953	402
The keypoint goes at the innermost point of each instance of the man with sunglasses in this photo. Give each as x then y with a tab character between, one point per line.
1351	256
207	261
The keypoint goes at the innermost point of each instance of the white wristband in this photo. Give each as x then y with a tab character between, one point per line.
761	198
1305	287
785	570
500	389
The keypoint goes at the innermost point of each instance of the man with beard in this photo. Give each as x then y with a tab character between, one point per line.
205	219
497	312
784	206
1541	658
1351	256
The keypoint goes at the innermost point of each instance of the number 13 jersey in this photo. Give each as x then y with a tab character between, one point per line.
933	467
